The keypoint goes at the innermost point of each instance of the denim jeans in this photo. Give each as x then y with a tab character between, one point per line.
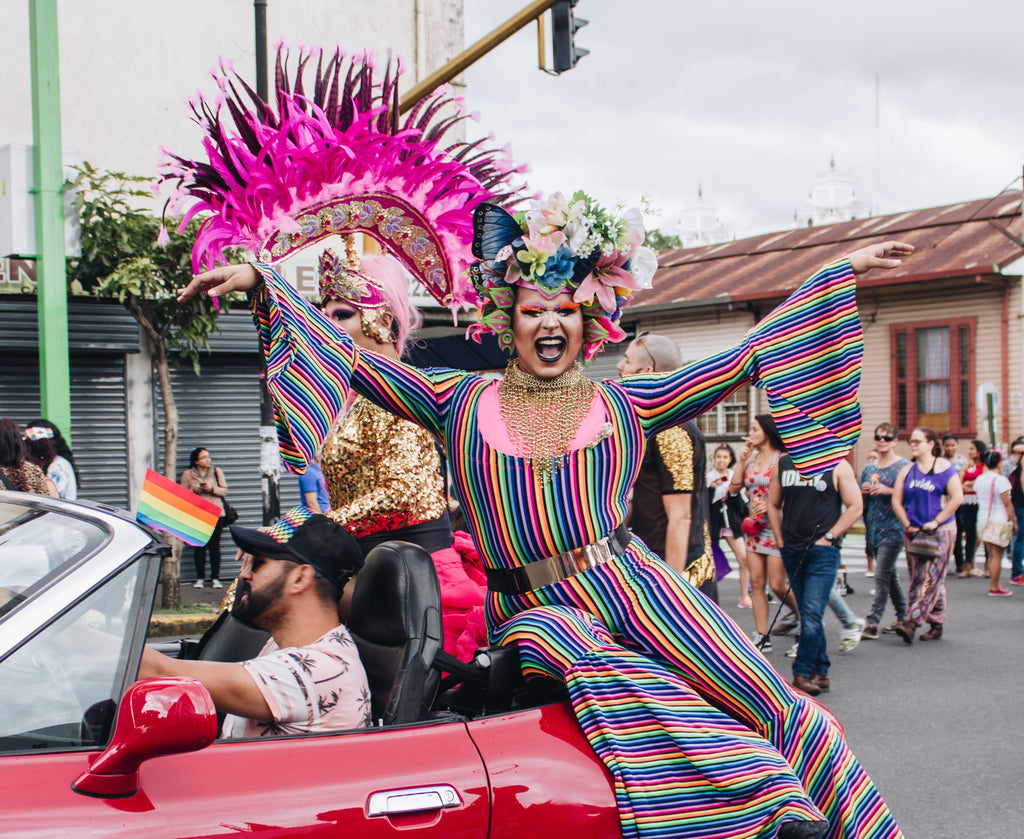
1017	549
812	586
887	584
843	612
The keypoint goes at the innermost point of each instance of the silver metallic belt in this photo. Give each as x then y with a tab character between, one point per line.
553	569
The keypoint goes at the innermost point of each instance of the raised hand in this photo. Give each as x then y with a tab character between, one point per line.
222	280
882	255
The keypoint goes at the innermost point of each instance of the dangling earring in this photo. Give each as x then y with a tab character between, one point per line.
374	328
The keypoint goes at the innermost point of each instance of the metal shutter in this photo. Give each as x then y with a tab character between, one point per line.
98	417
220	410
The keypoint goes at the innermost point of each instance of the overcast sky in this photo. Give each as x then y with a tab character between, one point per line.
750	100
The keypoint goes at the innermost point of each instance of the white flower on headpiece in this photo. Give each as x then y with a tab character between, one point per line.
634	220
576	232
642	266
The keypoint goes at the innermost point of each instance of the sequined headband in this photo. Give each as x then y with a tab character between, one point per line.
341	279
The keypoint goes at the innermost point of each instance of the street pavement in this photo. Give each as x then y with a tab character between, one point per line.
936	723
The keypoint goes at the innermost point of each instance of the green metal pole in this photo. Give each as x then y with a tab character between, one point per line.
51	270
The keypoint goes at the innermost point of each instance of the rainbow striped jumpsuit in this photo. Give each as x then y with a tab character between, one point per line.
702	737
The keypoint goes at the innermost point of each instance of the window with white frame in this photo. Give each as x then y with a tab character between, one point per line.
729	418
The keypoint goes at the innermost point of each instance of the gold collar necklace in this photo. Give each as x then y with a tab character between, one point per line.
543	415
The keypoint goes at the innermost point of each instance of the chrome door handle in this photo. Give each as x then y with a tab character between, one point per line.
412	800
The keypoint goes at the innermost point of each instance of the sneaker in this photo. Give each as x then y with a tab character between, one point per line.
869	573
802	830
762	642
1017	581
870	632
216	583
850	638
999	592
791	652
197	584
871	593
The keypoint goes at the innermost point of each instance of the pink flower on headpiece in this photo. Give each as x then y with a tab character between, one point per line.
539	248
604	279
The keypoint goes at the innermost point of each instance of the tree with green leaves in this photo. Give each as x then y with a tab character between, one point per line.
126	256
658	241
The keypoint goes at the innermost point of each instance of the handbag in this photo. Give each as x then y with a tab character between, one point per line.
996	531
230	513
925	544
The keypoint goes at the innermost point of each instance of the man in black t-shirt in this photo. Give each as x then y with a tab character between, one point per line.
808	520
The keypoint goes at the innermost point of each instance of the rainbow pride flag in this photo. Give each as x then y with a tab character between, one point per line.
168	506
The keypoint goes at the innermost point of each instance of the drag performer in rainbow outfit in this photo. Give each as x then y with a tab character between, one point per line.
702	737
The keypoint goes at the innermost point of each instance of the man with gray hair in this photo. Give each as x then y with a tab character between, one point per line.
670	504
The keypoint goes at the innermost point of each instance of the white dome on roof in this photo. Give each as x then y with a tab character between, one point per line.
832	200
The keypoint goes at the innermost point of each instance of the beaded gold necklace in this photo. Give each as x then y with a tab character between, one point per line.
543	415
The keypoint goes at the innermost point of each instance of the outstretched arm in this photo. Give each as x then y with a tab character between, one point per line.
312	364
806	355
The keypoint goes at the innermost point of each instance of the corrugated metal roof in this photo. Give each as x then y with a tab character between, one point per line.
950	241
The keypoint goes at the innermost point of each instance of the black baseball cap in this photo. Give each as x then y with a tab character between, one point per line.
302	536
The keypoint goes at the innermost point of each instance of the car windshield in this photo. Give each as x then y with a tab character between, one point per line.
37	547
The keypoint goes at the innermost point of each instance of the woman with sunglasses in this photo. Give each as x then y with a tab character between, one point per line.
884	534
925	498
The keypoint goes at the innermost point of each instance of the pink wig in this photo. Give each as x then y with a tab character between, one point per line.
394	282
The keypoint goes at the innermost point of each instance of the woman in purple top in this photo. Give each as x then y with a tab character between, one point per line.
926	497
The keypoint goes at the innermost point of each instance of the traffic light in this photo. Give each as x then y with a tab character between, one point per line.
564	26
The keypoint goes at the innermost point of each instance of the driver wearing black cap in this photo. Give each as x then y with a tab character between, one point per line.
308	677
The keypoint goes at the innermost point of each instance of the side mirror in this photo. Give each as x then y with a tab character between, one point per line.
156	717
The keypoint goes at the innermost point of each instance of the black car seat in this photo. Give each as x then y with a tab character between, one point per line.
395	621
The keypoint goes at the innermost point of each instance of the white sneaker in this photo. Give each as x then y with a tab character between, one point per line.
762	642
850	638
216	583
791	652
197	584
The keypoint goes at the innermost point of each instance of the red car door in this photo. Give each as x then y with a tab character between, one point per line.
546	781
420	782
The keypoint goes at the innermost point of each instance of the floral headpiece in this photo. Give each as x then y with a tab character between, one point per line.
332	158
560	245
340	278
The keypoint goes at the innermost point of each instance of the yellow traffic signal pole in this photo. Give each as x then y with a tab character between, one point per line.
472	54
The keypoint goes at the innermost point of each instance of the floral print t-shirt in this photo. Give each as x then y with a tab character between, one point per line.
319	687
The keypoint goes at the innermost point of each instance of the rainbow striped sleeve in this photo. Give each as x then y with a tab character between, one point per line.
806	355
170	507
420	396
309	366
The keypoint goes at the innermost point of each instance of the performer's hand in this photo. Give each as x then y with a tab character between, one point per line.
222	280
883	255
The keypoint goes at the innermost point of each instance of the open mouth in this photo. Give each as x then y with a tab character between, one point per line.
550	350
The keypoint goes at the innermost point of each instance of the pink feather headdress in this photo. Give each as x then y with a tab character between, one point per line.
336	160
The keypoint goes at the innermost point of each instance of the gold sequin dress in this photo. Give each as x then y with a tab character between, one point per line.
382	473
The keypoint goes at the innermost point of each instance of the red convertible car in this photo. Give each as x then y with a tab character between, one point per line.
86	750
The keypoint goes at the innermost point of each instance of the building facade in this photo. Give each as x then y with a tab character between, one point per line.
943	340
